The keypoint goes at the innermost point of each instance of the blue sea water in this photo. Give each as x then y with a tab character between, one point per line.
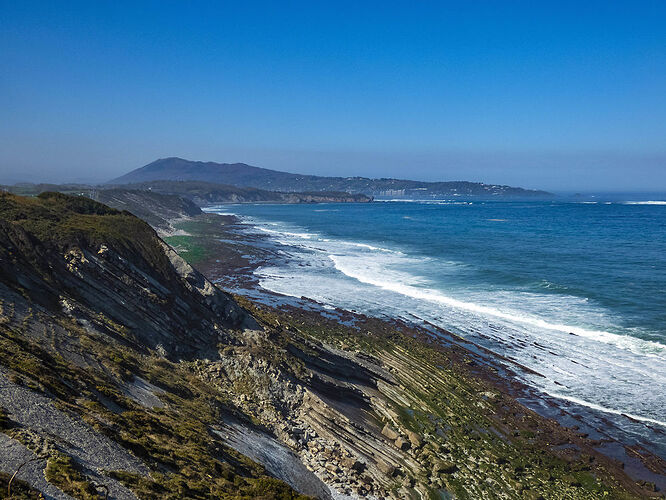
574	291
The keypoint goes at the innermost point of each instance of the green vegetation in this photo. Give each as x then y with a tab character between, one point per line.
188	248
62	472
30	189
203	228
63	222
201	245
265	488
20	490
64	219
186	459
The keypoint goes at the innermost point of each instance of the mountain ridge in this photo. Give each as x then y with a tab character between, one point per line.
244	175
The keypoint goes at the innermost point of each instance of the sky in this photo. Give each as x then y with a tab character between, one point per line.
567	96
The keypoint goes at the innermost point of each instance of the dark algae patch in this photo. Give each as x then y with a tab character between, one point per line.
19	490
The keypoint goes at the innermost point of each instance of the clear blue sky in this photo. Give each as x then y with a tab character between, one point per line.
558	95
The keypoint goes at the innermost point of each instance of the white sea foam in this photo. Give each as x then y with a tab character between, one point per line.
597	367
649	202
358	271
426	202
283	235
216	210
605	409
305	236
371	247
399	200
356	267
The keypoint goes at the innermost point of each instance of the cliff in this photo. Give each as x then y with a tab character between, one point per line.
159	201
157	209
203	193
125	370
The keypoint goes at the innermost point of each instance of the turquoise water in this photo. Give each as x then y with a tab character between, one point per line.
575	291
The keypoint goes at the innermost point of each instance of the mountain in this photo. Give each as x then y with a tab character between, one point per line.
240	174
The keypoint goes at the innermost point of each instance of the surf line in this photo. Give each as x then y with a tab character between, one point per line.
621	341
604	409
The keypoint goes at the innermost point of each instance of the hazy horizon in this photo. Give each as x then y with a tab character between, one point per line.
62	177
564	98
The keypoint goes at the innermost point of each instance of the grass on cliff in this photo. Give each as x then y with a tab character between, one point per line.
62	472
195	247
63	221
185	458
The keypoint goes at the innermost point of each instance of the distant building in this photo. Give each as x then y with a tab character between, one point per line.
392	192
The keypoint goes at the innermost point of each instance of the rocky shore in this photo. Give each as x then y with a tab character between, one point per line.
153	382
243	252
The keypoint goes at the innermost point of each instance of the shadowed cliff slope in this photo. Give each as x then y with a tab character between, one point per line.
58	248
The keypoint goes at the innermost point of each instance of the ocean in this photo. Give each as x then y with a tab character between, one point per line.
575	291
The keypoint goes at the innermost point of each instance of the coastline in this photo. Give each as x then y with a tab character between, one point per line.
231	257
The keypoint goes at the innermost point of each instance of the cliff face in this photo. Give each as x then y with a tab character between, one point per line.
88	259
99	319
204	193
123	369
156	209
324	197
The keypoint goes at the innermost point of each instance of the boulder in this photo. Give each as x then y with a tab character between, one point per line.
415	439
390	432
386	468
354	464
402	444
444	466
